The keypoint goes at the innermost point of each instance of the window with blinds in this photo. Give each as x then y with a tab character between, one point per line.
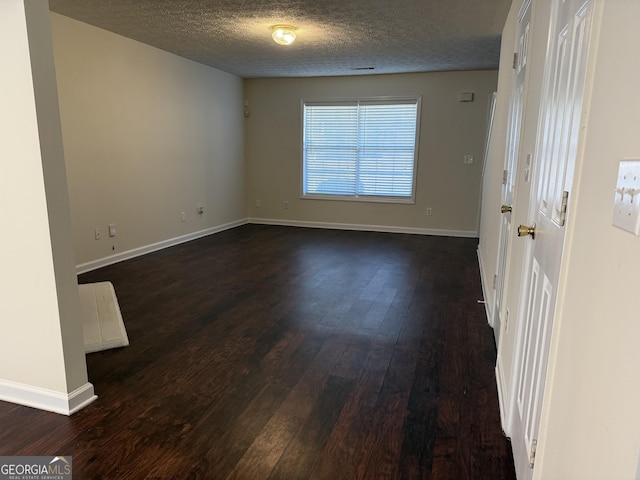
364	149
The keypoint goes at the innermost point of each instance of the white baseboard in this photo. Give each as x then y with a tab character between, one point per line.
367	228
137	252
45	399
501	399
488	302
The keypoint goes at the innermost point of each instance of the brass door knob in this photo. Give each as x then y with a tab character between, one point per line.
506	208
523	231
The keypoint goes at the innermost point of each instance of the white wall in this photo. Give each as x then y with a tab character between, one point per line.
449	130
147	135
42	360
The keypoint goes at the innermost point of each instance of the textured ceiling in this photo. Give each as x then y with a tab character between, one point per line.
335	37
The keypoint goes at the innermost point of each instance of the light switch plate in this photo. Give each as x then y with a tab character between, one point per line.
626	206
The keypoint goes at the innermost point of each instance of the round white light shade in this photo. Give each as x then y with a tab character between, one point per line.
283	34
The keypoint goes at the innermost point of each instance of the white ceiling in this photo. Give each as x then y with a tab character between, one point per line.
335	37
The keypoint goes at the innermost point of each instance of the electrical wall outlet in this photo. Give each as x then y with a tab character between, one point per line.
429	211
200	211
97	233
468	159
286	204
112	230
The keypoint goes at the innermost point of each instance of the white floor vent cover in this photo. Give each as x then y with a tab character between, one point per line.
101	318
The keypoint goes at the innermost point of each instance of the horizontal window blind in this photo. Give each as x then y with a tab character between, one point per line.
360	148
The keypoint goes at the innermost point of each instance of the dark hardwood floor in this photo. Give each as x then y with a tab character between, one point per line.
286	353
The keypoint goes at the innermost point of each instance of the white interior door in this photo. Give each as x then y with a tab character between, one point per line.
555	156
511	156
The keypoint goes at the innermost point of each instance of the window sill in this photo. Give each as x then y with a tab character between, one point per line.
361	198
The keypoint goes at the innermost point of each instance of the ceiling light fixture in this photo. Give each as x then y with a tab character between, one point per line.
283	34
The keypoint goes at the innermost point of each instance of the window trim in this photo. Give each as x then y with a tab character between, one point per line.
356	101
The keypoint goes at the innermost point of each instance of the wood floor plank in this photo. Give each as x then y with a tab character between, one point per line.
281	352
300	456
347	446
390	416
265	451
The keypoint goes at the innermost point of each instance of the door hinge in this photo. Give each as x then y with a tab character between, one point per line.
495	281
515	60
563	208
532	454
505	176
